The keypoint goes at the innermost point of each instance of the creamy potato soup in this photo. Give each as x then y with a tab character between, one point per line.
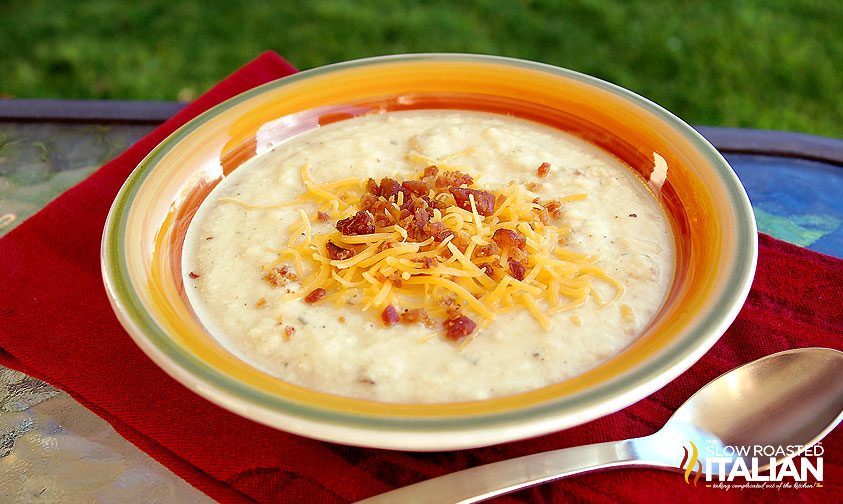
429	256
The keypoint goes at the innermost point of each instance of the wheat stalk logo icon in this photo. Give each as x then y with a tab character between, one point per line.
693	463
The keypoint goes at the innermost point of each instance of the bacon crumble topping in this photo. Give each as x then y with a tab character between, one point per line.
509	239
389	315
458	328
463	249
358	224
516	269
543	169
483	201
280	275
315	295
338	253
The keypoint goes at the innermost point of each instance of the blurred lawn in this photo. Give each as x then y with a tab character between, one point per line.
729	63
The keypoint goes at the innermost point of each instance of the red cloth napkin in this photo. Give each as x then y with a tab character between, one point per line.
57	325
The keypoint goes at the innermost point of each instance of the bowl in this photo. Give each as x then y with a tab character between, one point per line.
712	221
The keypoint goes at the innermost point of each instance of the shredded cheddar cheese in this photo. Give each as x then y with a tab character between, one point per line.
485	260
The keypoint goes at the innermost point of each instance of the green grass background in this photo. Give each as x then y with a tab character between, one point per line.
773	64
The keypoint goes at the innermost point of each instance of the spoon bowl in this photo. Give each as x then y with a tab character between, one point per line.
789	399
783	403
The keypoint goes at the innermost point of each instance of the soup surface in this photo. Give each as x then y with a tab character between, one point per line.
512	256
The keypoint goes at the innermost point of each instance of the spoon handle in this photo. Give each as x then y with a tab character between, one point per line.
490	480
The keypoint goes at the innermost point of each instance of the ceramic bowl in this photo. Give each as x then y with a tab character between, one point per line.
712	221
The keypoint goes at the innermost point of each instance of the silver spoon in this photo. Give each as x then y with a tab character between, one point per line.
786	399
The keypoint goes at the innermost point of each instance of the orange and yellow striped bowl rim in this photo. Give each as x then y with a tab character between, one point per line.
712	220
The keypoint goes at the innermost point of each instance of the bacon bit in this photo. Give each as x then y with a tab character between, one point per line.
427	262
380	208
418	203
508	239
488	269
261	302
443	235
437	230
453	179
390	188
487	250
315	295
360	223
371	203
322	216
289	331
554	209
420	221
415	202
458	328
193	275
372	187
485	202
543	170
534	186
517	269
519	255
338	253
462	240
441	205
389	316
429	175
395	278
414	316
416	187
279	276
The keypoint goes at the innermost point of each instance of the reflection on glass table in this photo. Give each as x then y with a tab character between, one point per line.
52	449
795	200
39	161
